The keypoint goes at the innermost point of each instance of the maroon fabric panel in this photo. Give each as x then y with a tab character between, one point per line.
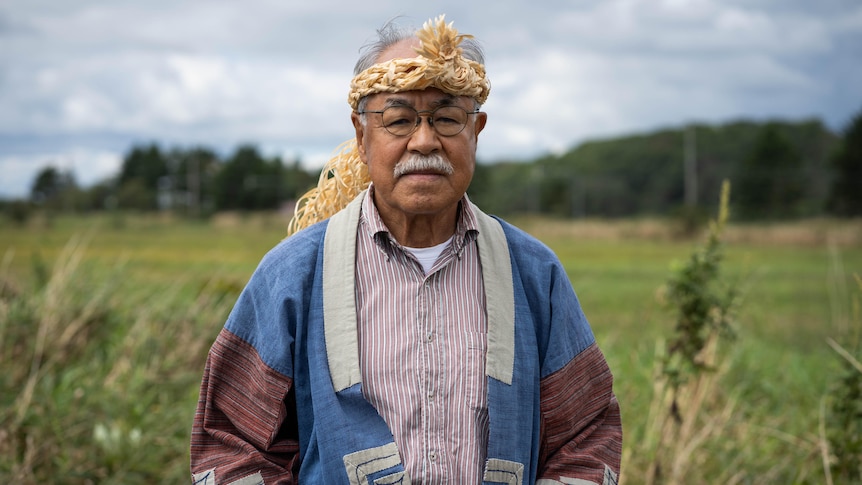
246	417
581	425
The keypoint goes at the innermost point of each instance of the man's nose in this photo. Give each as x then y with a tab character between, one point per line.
424	138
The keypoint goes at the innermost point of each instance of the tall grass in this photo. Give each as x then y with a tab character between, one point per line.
686	379
841	424
98	384
701	428
104	332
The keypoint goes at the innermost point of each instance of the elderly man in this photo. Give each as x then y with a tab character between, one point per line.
400	335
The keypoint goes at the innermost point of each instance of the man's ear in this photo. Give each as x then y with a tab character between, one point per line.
360	135
481	119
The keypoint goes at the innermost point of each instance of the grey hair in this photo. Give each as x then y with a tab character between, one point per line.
390	34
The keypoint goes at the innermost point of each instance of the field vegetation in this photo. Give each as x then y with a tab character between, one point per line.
105	322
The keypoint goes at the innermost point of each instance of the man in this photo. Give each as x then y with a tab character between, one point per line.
408	338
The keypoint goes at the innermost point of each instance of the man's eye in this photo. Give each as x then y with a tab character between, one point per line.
445	120
398	121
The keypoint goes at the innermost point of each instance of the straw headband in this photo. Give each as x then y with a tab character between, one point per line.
440	64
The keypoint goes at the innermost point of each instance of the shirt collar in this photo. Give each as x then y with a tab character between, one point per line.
466	229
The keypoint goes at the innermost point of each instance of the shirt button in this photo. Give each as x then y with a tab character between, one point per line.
432	456
430	337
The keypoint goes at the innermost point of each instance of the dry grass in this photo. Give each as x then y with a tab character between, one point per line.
98	386
806	233
683	418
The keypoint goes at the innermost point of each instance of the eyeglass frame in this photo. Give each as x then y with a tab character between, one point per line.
426	112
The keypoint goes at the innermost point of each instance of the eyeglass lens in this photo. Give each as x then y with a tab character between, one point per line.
403	120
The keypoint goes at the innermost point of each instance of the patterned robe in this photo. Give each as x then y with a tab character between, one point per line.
281	399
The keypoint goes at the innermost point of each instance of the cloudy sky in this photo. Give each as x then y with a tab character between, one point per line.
82	81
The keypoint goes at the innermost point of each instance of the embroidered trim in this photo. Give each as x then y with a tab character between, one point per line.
504	471
204	478
208	478
360	464
499	297
256	479
610	478
565	481
339	303
399	478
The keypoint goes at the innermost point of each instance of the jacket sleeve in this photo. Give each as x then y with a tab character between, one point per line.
245	428
581	427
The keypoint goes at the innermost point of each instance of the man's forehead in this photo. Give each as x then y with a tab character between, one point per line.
404	49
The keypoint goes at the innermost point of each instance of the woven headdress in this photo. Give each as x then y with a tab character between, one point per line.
440	65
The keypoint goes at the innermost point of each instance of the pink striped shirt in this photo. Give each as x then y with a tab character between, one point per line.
422	346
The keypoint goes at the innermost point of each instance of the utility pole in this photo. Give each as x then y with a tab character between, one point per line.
690	167
193	182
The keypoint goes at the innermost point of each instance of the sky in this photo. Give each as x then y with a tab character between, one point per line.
82	82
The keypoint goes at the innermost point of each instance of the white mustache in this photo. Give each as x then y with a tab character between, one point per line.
423	163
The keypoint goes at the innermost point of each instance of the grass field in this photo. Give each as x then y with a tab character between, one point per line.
105	323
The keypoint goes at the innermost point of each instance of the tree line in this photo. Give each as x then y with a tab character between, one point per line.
194	181
778	169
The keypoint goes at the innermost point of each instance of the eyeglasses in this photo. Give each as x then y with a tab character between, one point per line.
404	120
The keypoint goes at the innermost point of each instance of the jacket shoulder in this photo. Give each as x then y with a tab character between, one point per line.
302	246
523	245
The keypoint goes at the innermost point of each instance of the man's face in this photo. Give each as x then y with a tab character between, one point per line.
425	192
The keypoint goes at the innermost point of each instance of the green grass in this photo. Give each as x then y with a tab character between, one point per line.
102	343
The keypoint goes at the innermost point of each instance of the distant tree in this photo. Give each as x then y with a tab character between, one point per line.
101	196
18	211
193	174
142	169
770	180
505	188
45	185
53	188
297	180
845	198
247	181
134	195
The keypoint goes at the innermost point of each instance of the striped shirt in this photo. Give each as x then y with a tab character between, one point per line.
422	346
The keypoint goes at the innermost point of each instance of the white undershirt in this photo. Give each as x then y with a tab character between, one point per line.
428	256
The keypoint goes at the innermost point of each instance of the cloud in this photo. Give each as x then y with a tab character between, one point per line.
92	77
88	166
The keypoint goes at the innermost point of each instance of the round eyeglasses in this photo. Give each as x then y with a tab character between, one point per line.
404	120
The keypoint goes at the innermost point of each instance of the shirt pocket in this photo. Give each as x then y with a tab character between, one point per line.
472	362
